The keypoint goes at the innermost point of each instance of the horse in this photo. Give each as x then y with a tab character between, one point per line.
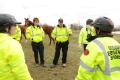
25	26
48	30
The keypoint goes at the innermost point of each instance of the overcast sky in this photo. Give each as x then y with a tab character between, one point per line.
72	11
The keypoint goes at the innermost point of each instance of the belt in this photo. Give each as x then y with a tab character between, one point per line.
37	42
62	41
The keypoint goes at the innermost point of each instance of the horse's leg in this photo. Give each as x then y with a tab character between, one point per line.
49	39
24	35
53	40
21	37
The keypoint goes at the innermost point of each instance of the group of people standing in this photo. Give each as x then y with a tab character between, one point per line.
100	59
60	34
13	66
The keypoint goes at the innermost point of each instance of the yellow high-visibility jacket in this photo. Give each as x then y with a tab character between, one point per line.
61	34
12	61
100	61
35	34
17	35
84	32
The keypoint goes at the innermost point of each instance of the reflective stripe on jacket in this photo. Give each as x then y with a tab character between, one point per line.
102	62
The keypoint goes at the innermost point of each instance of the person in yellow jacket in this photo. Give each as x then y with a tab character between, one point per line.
12	61
61	35
101	60
86	33
35	34
17	35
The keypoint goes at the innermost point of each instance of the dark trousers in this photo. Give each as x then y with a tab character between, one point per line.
38	48
64	47
84	46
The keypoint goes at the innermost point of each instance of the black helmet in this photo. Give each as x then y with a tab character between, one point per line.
104	24
60	20
7	20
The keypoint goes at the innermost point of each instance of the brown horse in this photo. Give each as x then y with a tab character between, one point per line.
24	27
48	30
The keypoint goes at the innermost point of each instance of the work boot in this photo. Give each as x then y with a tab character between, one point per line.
64	65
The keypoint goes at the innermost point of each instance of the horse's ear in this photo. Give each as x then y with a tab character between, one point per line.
26	18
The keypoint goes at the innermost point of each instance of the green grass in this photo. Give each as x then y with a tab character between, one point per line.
58	73
117	37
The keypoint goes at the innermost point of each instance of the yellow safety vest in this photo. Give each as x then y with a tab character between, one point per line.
84	32
17	34
35	34
61	34
12	61
102	61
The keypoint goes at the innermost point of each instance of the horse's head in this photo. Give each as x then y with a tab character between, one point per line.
28	22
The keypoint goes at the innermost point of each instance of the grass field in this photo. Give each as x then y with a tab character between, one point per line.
58	73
